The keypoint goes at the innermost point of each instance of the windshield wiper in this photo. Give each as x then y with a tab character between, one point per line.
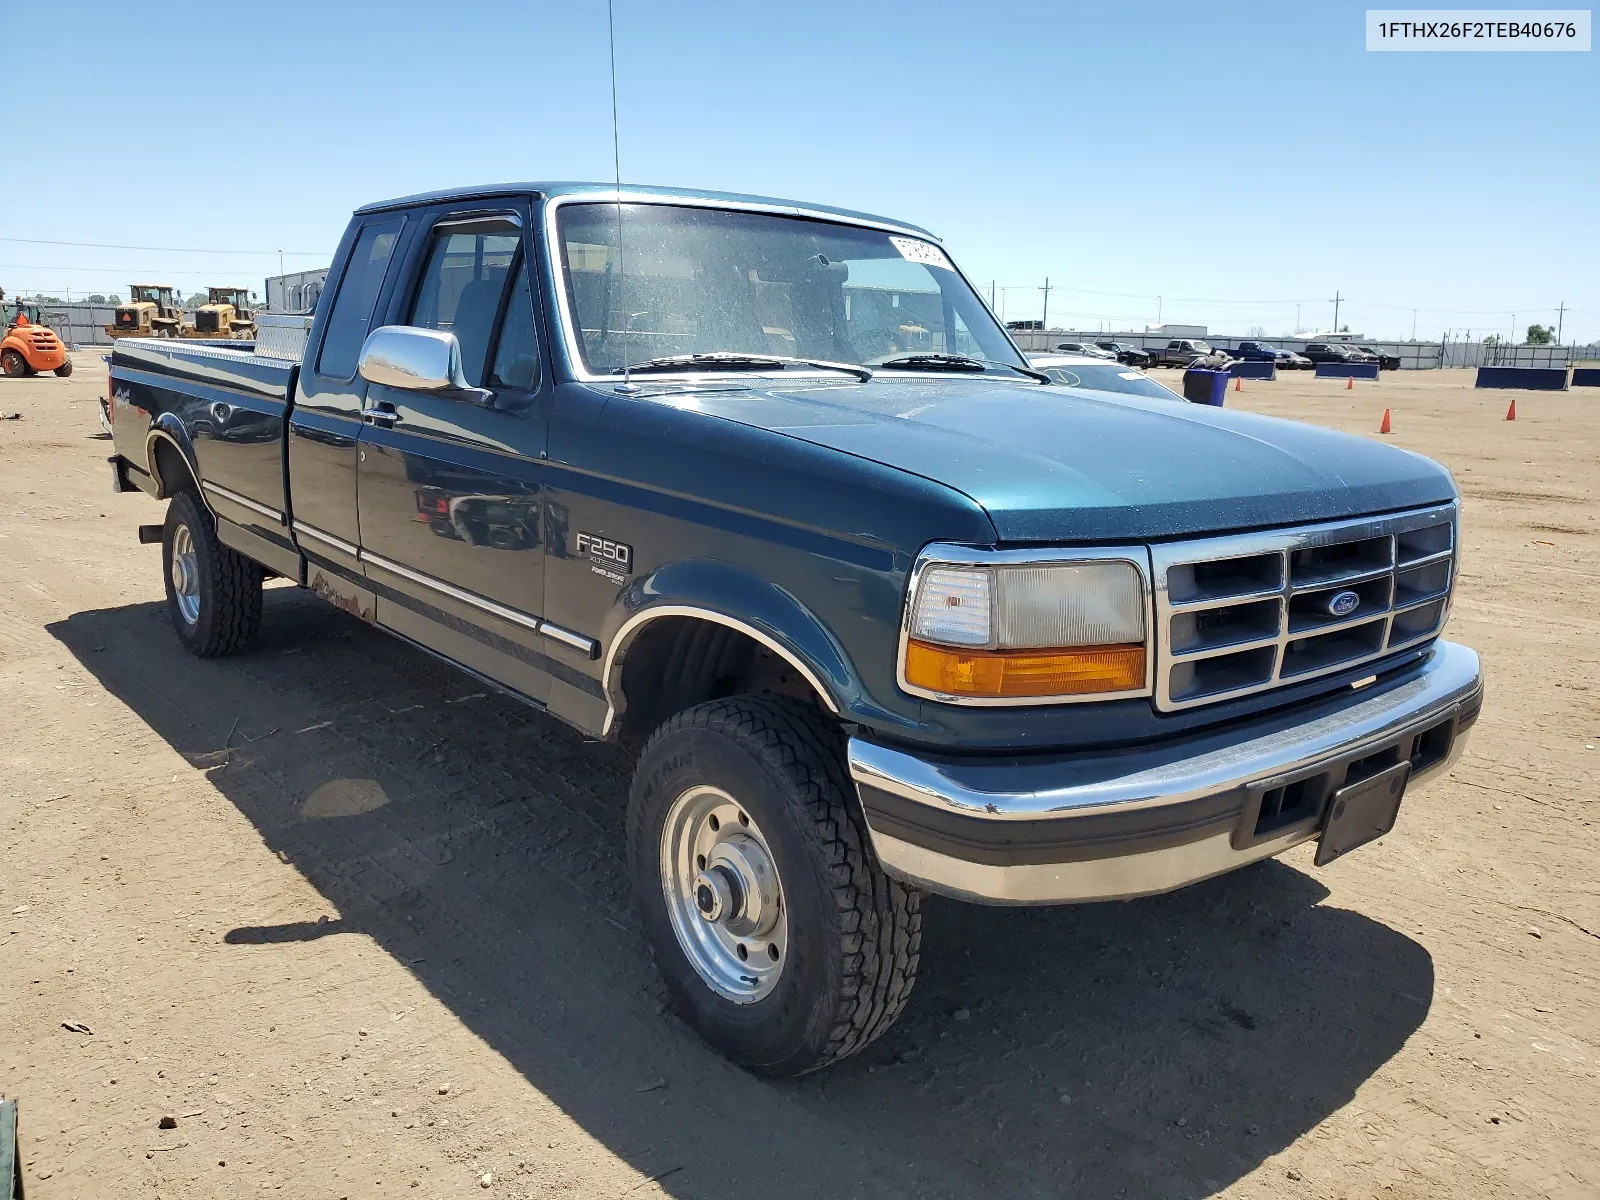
953	362
726	360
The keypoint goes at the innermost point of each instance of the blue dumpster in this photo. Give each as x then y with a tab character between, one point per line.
1201	385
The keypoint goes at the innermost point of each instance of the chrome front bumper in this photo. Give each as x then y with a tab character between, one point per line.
1116	824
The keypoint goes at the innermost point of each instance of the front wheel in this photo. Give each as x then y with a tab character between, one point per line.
776	931
64	369
213	592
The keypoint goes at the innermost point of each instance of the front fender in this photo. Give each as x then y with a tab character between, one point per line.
735	596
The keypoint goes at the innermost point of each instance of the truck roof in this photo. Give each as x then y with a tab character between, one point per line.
606	191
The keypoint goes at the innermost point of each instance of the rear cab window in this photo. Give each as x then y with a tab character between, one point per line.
350	317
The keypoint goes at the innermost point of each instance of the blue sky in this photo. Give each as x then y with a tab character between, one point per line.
1232	159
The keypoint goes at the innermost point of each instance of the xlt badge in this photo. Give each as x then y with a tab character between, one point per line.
606	557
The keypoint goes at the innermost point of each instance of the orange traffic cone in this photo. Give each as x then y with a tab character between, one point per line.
1385	427
1349	383
1511	413
1238	384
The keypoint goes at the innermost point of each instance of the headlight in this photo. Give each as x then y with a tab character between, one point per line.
1027	631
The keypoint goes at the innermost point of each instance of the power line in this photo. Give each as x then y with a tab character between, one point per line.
1220	300
102	270
166	249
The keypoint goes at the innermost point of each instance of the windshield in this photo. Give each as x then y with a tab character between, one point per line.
708	280
1111	377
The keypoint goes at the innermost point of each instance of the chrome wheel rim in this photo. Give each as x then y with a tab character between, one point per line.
185	575
724	895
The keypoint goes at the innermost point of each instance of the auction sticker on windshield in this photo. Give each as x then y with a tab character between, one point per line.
917	251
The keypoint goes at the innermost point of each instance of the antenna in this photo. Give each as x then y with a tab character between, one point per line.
616	165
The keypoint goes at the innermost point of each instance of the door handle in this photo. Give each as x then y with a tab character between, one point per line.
380	412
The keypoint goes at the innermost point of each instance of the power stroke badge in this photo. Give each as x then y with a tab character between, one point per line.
610	559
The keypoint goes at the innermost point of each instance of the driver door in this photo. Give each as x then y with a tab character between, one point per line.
451	492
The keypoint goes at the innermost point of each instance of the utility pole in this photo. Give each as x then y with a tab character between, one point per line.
1297	318
1413	324
1044	321
280	262
1336	298
1158	310
991	295
1561	316
1514	329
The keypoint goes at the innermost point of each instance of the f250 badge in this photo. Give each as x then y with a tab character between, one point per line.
607	558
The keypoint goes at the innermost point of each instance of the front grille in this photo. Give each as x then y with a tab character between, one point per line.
207	322
1241	614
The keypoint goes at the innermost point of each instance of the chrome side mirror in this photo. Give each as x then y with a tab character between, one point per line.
418	360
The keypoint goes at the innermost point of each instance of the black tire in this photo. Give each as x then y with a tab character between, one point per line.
229	584
855	934
12	363
64	369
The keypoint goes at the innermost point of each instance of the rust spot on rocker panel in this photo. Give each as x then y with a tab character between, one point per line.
342	595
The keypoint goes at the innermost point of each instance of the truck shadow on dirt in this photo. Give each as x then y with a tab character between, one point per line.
1162	1047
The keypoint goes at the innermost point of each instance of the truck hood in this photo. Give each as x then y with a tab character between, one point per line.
1053	463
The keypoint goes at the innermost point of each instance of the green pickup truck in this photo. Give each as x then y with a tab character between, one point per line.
765	490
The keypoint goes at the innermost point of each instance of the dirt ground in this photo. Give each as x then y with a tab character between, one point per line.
363	930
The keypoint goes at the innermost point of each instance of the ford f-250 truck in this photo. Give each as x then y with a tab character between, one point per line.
1181	353
765	488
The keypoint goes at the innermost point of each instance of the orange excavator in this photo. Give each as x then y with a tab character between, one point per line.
30	346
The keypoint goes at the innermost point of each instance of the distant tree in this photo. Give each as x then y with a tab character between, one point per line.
1344	329
113	299
1539	335
46	299
1492	340
96	298
196	300
1256	331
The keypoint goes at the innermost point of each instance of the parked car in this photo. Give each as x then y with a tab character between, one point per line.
883	609
1078	370
1083	348
1284	360
1133	356
1183	351
1330	352
1386	361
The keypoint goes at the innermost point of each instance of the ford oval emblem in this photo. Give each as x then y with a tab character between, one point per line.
1342	604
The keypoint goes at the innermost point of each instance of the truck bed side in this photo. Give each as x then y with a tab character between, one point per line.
186	415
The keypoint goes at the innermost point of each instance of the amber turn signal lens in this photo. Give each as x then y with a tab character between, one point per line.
1017	674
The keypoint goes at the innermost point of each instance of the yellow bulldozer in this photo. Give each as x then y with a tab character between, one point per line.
152	310
226	314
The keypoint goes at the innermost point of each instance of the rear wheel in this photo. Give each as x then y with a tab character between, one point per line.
64	369
213	593
12	363
778	935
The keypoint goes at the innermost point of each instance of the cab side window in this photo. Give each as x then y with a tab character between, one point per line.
516	356
463	290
